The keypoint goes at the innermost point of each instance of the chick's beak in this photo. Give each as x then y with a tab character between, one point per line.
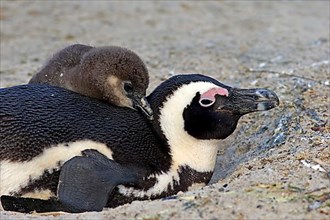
141	103
243	101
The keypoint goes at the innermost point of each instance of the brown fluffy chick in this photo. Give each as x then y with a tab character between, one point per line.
110	73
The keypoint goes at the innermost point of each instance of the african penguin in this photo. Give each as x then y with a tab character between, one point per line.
73	153
111	73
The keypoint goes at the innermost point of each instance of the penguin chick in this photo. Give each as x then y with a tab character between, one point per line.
82	154
110	73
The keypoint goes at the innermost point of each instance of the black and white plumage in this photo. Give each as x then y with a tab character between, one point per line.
111	73
49	133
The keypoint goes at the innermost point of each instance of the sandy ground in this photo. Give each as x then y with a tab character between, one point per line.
276	165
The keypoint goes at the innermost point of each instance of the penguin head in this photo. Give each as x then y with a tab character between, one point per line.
118	75
203	108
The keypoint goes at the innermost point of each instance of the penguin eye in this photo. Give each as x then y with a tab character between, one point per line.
128	87
206	102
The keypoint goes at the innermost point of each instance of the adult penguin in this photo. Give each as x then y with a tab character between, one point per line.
82	154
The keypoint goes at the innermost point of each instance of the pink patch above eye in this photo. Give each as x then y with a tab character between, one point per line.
210	94
208	98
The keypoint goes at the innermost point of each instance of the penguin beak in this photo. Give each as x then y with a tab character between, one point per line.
243	101
141	103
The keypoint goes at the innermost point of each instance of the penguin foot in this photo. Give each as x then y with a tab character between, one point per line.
29	205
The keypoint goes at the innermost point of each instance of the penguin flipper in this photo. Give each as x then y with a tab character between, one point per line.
87	181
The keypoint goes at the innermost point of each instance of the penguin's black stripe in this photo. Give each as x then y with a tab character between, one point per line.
187	176
47	181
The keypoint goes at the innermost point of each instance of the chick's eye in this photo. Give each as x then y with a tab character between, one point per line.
128	87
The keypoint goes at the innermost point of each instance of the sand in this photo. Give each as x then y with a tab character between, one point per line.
276	164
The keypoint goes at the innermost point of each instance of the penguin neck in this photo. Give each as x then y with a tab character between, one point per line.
186	150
